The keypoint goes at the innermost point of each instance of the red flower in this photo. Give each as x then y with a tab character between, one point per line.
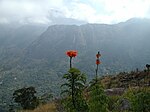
98	55
98	62
71	53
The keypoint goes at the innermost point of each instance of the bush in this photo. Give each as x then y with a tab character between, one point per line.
26	98
139	98
98	101
113	104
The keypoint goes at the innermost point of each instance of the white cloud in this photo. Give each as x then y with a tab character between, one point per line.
30	10
93	11
83	12
121	10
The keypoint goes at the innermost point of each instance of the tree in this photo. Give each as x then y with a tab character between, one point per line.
74	90
26	98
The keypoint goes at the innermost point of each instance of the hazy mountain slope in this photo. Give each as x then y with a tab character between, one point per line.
32	56
15	38
123	46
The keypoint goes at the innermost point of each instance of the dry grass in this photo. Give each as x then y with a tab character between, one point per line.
50	107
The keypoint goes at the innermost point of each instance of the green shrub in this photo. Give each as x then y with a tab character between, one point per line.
113	104
26	98
98	101
139	98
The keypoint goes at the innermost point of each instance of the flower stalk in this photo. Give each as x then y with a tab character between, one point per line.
71	54
97	63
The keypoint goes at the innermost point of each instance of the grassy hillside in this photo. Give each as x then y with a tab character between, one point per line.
118	88
50	107
126	79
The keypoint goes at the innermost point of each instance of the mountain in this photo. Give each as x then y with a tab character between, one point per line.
123	46
15	38
35	56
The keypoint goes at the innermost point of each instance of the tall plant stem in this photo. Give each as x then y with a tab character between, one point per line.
70	62
96	73
73	95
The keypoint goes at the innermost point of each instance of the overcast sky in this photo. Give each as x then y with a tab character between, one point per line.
92	11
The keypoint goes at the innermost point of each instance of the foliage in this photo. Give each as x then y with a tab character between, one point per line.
26	98
113	103
74	101
139	98
98	101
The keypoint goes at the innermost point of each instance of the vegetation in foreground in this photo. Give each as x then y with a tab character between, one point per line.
49	107
132	99
95	97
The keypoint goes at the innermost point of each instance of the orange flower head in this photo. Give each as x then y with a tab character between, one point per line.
98	62
71	53
98	55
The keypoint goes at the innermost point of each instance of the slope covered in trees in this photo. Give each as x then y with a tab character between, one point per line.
33	56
